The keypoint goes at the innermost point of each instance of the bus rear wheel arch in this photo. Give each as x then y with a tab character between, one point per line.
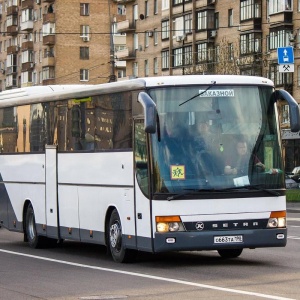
30	232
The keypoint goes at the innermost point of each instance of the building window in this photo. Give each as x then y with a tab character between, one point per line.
84	9
147	38
121	73
279	38
205	20
135	69
155	65
276	6
165	4
230	17
84	32
285	114
165	29
182	56
155	36
250	9
146	67
84	74
146	9
48	73
280	79
187	23
121	9
135	12
155	7
250	43
230	52
84	52
202	52
165	59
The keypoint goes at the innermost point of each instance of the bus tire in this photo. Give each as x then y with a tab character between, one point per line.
116	245
34	240
230	253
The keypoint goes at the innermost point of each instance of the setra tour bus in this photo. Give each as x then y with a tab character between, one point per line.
149	164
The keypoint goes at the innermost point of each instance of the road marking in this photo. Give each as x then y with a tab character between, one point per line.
293	219
293	237
212	287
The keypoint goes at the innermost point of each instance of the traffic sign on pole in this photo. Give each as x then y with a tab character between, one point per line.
285	55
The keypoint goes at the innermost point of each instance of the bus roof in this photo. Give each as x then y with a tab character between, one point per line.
36	94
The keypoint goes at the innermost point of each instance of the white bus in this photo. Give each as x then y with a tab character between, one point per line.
123	165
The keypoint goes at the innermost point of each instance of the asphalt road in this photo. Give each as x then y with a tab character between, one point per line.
83	271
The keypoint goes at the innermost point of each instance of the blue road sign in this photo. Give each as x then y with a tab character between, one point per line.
285	55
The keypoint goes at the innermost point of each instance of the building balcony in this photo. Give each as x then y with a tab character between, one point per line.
125	54
28	66
12	30
12	10
206	35
28	45
119	39
49	39
253	24
125	26
48	61
11	70
28	3
50	81
48	18
13	49
27	26
48	1
281	18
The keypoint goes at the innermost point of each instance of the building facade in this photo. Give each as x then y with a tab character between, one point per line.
181	37
56	42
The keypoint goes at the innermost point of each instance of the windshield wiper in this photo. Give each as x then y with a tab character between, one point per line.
247	187
212	84
250	187
190	192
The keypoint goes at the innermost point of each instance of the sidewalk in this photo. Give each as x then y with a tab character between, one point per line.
293	207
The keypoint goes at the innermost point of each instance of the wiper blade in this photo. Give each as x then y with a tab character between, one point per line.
251	187
190	192
212	84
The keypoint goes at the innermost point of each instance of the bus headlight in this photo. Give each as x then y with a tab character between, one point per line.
277	219
168	224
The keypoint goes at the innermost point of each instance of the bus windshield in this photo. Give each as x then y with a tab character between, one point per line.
214	138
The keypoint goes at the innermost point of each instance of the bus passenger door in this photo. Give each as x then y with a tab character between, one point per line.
51	191
142	202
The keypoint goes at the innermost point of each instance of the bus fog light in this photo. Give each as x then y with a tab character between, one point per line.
162	227
174	226
281	222
280	236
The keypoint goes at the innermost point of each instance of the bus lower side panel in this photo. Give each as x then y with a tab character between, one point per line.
189	241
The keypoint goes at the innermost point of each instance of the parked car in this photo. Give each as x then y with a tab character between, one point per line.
291	183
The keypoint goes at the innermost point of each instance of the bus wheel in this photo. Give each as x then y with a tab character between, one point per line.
118	252
33	239
230	253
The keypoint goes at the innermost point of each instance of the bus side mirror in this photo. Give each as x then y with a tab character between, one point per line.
150	112
293	107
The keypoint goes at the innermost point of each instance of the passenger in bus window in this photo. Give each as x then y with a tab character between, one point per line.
238	163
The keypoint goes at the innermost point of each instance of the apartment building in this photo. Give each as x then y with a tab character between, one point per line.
57	42
181	37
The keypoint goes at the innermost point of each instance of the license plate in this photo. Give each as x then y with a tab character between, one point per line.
226	239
